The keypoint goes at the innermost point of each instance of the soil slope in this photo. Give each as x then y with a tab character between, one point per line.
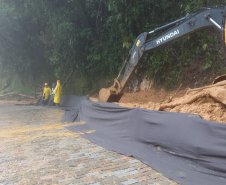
208	103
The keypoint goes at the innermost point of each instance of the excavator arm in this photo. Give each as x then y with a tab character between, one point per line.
206	17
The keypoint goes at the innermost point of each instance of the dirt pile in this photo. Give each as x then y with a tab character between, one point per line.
208	102
206	107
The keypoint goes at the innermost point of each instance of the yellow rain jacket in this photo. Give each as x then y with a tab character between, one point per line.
58	92
47	92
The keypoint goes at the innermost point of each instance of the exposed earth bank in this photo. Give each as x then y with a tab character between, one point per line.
208	103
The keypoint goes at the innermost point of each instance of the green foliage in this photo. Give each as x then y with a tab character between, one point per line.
93	37
16	83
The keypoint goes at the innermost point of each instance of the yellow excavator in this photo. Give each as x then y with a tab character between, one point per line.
204	17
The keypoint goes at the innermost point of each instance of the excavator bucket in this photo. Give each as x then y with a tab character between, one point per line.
109	95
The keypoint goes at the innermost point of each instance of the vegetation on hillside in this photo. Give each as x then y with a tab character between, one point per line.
93	37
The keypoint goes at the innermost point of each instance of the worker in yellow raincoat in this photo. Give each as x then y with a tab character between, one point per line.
46	93
57	93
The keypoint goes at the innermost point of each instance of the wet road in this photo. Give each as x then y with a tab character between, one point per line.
36	149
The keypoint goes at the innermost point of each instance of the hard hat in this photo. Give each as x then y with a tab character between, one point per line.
46	84
54	83
58	80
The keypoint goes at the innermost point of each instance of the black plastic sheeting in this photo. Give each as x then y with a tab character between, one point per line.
182	147
66	102
69	103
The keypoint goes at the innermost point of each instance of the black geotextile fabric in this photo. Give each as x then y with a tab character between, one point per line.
66	101
182	147
69	103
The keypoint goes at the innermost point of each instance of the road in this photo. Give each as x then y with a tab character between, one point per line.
36	149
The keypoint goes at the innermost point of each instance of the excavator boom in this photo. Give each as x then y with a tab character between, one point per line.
206	17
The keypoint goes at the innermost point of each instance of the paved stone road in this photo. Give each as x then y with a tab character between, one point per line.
36	149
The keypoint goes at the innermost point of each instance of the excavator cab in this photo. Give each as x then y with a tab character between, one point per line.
204	17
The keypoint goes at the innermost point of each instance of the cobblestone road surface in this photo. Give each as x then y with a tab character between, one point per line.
36	149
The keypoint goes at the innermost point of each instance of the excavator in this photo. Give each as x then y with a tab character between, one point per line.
202	18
